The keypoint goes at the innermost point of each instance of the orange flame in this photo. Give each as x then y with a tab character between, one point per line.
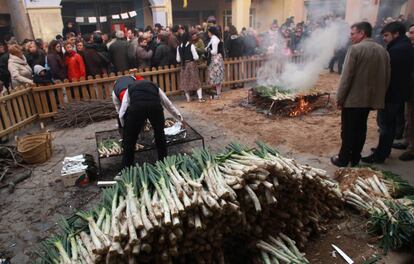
302	107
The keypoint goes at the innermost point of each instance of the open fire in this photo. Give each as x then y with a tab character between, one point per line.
302	107
286	104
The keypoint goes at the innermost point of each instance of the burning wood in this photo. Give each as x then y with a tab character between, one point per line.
302	107
283	103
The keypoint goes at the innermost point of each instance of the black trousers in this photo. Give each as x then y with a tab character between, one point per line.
400	126
340	57
387	121
135	118
353	133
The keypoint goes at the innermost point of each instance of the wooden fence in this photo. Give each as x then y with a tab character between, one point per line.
27	104
17	110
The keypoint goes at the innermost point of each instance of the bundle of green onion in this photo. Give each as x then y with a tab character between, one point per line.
186	208
113	147
280	250
381	195
275	92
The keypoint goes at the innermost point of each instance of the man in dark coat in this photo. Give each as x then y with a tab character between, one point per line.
132	48
35	56
119	52
250	44
400	51
4	72
69	28
144	53
95	62
162	51
409	113
234	44
173	43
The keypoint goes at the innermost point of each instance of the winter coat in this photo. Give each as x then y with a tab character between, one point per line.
20	71
143	57
57	66
39	58
173	44
103	53
410	95
235	46
401	57
204	37
45	79
295	42
200	48
365	76
132	51
75	65
4	71
95	64
161	56
250	45
119	55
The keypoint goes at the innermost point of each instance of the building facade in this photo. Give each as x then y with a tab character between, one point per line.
45	18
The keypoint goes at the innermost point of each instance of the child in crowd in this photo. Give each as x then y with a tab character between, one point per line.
42	76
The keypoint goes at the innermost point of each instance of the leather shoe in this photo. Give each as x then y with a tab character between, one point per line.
372	159
373	150
337	162
354	163
407	156
399	146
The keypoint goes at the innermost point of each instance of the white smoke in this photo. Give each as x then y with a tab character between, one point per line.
318	49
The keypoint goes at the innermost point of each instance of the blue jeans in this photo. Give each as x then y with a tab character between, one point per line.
387	122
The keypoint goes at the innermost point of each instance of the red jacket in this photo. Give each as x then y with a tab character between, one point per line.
75	66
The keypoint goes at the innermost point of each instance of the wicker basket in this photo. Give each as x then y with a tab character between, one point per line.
35	148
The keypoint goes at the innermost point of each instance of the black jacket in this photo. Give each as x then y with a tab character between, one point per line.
143	91
410	96
119	55
43	80
94	61
162	55
132	53
38	58
401	58
250	45
234	46
4	69
57	66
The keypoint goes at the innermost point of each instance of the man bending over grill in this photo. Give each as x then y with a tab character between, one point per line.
144	100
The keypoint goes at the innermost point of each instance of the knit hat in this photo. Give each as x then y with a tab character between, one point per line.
38	69
211	19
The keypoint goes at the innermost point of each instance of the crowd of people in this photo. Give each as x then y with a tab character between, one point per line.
371	77
74	56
